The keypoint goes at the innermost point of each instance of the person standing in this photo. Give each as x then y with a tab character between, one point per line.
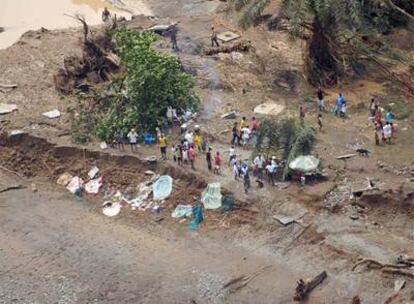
119	140
236	137
173	152
197	141
213	37
387	130
217	163
132	136
243	123
342	112
204	144
162	140
254	124
192	156
339	101
173	35
372	108
105	14
208	159
378	115
258	165
389	116
232	154
320	101
302	114
320	124
179	155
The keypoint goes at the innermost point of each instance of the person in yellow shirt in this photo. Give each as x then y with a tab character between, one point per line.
243	123
197	141
162	140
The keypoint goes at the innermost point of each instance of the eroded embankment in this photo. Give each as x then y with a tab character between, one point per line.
31	157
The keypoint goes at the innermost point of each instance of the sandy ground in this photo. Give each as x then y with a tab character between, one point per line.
65	251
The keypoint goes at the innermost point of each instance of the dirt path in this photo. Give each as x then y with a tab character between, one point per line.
58	250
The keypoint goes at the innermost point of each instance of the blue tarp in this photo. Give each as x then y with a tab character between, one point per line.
198	217
162	188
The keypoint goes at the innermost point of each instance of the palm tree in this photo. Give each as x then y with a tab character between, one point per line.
335	30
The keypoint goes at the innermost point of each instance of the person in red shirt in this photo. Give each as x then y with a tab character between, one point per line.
192	156
217	163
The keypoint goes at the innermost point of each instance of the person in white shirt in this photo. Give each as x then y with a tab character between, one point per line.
271	172
189	137
258	162
387	129
232	154
133	136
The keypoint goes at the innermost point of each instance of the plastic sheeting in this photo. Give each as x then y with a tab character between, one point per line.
75	185
182	211
211	196
198	217
162	188
93	186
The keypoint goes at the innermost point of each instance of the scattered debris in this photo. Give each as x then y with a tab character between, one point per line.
269	109
198	217
64	179
229	115
228	36
75	185
356	300
111	209
93	172
182	211
211	196
6	108
10	187
34	188
398	285
103	145
8	86
242	46
346	156
303	289
238	283
93	186
17	132
286	220
162	188
149	172
52	114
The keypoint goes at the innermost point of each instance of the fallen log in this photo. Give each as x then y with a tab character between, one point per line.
242	46
304	289
8	86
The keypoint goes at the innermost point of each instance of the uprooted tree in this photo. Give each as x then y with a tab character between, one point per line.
137	97
287	138
341	35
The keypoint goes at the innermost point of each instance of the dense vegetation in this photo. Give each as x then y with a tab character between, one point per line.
139	96
286	138
341	35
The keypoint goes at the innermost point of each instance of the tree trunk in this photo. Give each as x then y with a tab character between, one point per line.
320	64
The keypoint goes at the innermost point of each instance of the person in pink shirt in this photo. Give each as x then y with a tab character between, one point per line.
254	124
192	156
217	163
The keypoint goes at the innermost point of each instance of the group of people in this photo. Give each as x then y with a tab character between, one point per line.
383	129
242	132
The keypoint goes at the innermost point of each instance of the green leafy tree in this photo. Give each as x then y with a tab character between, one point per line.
139	97
340	33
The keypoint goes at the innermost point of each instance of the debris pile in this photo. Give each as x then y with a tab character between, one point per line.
338	196
94	66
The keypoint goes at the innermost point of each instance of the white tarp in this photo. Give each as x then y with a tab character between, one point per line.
182	210
111	209
211	196
52	114
6	108
92	173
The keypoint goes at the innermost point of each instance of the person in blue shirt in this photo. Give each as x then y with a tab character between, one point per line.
389	116
340	101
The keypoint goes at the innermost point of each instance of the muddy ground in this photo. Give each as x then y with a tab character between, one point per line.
65	251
